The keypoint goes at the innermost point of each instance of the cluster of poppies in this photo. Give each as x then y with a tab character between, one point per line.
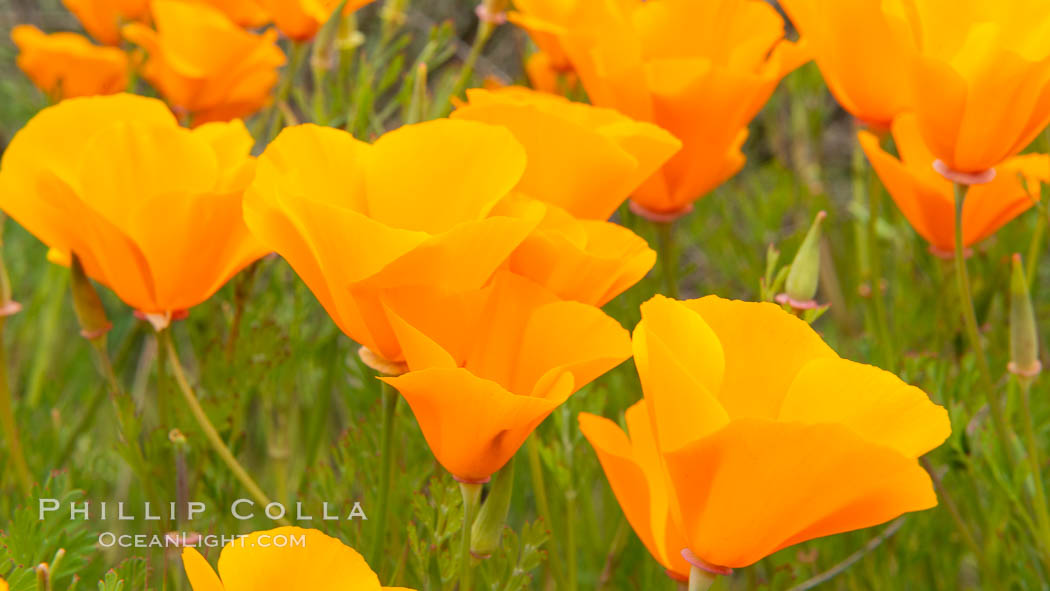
470	256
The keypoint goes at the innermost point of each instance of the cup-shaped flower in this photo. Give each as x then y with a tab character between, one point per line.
588	261
700	70
152	210
767	437
858	56
67	65
584	159
411	210
246	13
102	19
979	75
927	199
497	361
229	75
283	558
300	20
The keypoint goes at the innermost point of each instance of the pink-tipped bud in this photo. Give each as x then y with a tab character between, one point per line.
1024	336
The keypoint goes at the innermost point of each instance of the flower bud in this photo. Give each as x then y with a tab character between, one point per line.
88	306
1024	338
488	527
801	285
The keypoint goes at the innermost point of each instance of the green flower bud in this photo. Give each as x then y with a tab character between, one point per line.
1024	337
488	528
801	285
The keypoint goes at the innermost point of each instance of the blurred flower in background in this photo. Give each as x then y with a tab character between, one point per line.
701	70
926	198
102	19
246	13
67	65
153	210
228	77
300	20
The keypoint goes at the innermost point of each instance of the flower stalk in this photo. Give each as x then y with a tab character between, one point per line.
7	409
488	527
167	348
471	498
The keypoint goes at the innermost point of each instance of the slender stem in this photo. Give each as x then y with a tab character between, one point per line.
668	256
206	426
851	559
875	266
570	537
10	426
962	278
471	497
163	395
700	580
485	30
953	510
273	116
386	470
539	490
1036	465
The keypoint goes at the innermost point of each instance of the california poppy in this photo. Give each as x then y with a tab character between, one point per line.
246	13
228	76
765	437
301	19
584	159
544	77
701	70
927	200
979	76
411	210
283	558
164	233
488	369
589	261
67	65
102	19
857	55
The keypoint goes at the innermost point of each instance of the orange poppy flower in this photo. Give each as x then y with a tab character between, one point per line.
164	234
102	19
544	77
588	261
755	461
584	159
488	370
352	220
301	19
927	199
229	76
979	75
283	558
857	54
701	70
67	65
246	13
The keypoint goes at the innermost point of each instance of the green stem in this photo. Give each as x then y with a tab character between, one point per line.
1036	465
570	537
668	256
875	267
206	426
485	30
700	580
163	403
386	470
10	426
273	115
539	490
471	497
962	278
953	511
